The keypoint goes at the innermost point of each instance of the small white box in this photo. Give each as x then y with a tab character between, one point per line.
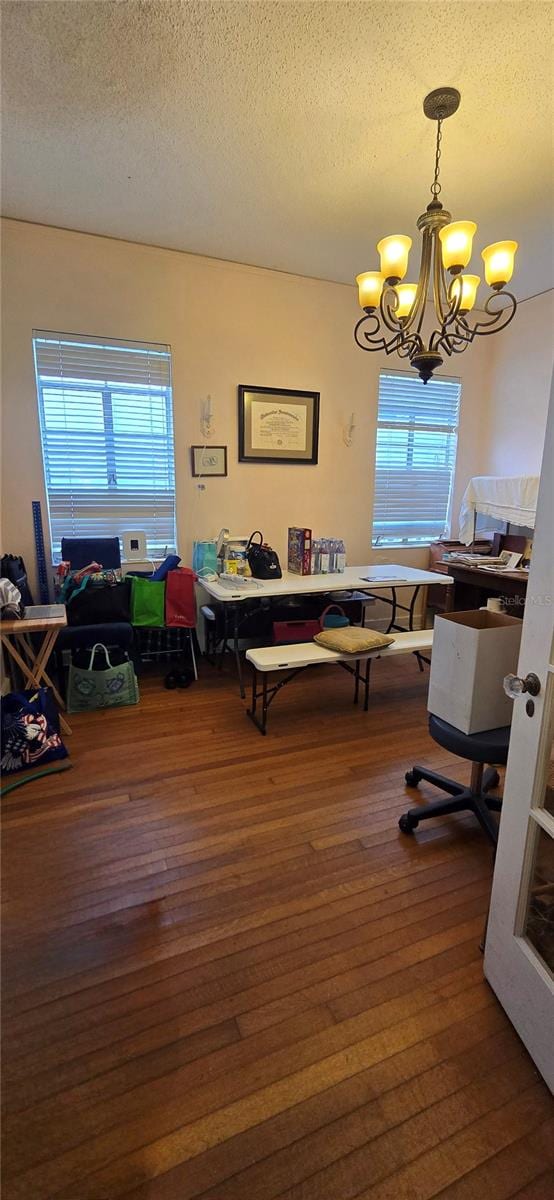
472	652
134	545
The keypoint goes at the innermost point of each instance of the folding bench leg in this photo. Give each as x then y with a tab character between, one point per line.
366	683
256	695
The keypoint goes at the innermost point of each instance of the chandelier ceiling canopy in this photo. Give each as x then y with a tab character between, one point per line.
394	311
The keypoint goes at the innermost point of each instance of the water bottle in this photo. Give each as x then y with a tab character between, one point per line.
324	556
341	556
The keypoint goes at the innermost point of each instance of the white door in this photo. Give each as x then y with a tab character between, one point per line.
519	952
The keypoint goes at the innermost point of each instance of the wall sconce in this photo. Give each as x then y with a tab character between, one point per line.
206	417
348	430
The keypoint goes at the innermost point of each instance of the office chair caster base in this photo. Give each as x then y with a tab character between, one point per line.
412	778
406	824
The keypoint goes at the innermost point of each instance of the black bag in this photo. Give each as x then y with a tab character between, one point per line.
262	560
100	605
12	567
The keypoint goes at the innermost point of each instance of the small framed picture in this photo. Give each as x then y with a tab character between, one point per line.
208	460
278	425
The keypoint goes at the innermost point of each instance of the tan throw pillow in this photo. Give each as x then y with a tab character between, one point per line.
352	639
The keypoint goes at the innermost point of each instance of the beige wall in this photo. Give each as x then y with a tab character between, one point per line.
521	370
226	324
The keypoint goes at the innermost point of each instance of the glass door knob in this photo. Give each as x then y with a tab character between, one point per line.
515	686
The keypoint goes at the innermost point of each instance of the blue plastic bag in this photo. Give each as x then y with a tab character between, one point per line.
204	558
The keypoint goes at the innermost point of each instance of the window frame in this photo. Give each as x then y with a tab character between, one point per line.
107	390
382	541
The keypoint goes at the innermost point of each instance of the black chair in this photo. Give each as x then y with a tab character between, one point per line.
79	552
479	748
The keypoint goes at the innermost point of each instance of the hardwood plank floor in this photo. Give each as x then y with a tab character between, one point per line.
227	974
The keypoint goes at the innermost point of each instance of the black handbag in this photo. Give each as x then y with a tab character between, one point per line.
262	560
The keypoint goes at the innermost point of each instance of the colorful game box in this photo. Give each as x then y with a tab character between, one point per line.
300	551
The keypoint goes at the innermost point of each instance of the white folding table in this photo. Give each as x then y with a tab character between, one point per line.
373	581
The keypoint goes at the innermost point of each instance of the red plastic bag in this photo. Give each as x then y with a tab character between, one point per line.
180	601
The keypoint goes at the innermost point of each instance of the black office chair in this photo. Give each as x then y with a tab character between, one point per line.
79	552
479	748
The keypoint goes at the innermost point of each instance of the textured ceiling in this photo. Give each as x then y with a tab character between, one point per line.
288	135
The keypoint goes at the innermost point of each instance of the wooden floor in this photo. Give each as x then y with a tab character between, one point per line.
229	976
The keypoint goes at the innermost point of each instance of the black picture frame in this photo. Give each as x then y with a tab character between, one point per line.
200	470
252	450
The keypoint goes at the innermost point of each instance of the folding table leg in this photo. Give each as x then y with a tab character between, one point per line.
366	683
237	650
193	656
34	670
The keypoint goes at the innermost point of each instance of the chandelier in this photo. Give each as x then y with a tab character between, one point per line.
394	311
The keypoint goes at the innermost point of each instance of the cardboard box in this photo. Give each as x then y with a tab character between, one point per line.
472	652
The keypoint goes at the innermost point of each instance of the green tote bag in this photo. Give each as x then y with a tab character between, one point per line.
148	602
89	687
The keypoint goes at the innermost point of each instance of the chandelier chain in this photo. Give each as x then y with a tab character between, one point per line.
435	186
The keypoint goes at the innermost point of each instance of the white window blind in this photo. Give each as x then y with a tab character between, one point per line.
415	459
106	424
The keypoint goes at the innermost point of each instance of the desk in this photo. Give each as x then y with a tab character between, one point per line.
45	619
473	586
371	580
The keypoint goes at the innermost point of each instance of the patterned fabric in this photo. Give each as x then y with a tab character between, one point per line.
29	731
157	644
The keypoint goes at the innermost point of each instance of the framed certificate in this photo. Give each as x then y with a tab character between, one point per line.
208	460
278	425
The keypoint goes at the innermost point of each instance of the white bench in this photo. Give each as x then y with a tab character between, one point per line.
268	659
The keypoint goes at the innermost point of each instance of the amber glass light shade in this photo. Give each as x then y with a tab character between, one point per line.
394	252
370	286
470	283
406	293
456	240
499	263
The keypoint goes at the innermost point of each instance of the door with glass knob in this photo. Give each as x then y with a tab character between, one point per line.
519	951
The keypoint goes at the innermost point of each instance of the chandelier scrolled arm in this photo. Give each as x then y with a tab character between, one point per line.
399	309
463	334
499	319
367	339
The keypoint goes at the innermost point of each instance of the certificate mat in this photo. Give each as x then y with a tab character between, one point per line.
278	426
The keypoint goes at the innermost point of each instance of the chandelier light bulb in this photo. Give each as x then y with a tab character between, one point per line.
470	283
370	286
456	240
406	293
499	263
394	252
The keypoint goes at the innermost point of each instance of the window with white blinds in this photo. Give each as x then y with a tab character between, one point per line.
106	424
415	459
